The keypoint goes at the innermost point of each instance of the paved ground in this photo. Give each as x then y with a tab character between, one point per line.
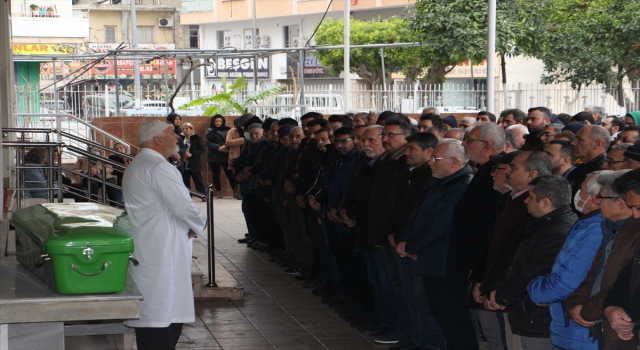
277	312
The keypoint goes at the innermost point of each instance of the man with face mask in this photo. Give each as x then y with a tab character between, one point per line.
570	269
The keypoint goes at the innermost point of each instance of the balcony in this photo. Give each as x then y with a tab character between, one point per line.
197	6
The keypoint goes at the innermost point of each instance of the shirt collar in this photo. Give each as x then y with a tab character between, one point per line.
516	195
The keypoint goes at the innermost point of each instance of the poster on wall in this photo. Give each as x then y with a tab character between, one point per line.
234	67
227	38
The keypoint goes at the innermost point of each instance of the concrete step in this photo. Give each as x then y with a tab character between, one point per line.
228	288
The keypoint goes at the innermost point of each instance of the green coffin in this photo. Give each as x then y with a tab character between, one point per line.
76	248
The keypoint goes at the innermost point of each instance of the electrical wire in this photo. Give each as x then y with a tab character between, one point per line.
319	24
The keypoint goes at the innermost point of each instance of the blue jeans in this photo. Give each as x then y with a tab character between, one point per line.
384	296
424	330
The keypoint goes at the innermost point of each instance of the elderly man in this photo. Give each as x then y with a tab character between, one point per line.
426	240
455	133
630	134
622	302
473	217
506	234
519	133
619	243
615	157
597	112
354	212
562	157
570	269
590	145
548	203
163	219
549	133
467	122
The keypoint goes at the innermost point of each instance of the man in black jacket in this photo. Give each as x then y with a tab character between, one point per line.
354	212
548	203
590	145
419	332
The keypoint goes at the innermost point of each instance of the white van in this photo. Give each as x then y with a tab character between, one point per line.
94	106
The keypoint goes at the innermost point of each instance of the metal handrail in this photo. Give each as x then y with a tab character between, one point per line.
94	144
79	120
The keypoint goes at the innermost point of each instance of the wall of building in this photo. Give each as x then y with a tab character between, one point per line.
99	19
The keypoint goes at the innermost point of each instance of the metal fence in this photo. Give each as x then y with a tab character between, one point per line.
89	101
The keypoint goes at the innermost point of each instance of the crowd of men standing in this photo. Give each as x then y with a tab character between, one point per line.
433	234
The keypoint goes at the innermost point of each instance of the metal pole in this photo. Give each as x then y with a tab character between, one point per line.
49	175
253	44
134	46
60	185
115	80
55	96
491	57
384	74
301	74
347	55
104	184
211	250
166	82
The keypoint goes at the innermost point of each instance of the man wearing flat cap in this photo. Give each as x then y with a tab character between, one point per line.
163	219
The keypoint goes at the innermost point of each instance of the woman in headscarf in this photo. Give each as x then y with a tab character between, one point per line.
218	152
192	158
175	120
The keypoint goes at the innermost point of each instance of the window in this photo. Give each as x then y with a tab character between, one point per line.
290	32
193	36
145	34
224	38
109	34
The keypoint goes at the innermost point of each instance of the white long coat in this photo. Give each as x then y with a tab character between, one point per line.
161	213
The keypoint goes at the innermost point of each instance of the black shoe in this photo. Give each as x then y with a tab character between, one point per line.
282	255
313	284
247	240
293	271
306	276
276	252
288	262
246	235
371	327
362	323
239	197
333	299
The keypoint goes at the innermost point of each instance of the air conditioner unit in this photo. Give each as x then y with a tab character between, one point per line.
263	41
165	22
299	41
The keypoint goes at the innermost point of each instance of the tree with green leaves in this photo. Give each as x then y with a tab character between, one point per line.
226	101
586	41
456	30
367	63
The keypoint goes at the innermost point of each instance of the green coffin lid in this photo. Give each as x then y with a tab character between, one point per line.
68	225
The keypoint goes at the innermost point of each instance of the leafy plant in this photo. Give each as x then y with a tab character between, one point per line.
225	101
34	7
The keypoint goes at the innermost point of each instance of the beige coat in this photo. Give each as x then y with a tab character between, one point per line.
81	166
234	142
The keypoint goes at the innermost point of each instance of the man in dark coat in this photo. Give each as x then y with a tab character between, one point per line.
590	145
506	234
420	324
548	202
426	240
473	218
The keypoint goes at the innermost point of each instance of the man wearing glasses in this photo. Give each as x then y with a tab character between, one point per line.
426	240
615	158
620	240
632	157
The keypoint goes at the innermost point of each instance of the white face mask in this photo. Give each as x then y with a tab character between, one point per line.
577	198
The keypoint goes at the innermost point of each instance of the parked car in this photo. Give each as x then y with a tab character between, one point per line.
94	105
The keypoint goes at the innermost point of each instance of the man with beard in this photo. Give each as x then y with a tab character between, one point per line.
163	221
537	119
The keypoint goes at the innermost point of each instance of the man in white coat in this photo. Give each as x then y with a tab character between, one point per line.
163	220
